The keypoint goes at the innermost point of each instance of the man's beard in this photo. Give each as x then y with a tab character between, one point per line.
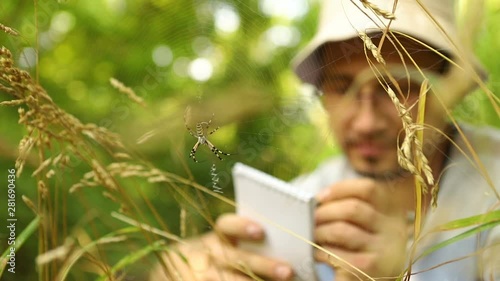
389	175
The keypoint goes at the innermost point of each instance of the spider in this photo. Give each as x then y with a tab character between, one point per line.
202	138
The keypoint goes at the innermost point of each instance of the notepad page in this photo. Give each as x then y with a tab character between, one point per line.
266	199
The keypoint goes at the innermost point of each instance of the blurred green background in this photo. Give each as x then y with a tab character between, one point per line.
191	60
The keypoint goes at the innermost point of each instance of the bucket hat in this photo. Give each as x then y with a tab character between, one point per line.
341	20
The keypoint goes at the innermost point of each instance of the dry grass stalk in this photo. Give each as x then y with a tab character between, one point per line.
51	130
44	120
127	91
122	170
102	176
148	228
385	14
370	46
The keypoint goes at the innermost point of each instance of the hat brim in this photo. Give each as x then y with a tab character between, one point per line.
307	64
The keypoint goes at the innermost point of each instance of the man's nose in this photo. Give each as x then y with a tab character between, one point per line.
368	117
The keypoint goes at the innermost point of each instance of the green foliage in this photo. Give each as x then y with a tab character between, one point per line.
148	45
476	224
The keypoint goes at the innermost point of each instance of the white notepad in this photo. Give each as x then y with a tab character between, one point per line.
264	198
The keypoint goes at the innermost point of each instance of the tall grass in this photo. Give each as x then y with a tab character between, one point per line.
100	208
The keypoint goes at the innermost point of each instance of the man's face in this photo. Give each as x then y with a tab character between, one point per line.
365	121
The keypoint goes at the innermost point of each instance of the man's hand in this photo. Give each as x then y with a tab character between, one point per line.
212	258
361	222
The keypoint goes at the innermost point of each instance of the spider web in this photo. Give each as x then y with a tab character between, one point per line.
229	59
232	66
226	59
247	85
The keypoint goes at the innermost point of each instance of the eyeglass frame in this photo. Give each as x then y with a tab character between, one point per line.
385	76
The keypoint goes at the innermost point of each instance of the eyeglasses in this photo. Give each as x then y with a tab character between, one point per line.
406	82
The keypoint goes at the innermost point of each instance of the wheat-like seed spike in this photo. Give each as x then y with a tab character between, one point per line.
127	91
122	155
102	175
25	146
425	162
434	194
411	145
12	102
42	166
370	46
8	30
42	189
30	204
385	14
157	179
50	173
75	187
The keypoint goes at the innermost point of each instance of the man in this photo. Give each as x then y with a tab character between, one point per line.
366	200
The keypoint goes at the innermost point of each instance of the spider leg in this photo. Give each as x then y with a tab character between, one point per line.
191	132
193	151
214	130
215	150
189	129
210	121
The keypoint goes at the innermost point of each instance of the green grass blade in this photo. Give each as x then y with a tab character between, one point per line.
471	221
113	237
135	256
23	236
459	237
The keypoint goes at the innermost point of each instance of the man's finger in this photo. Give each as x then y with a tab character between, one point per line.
343	235
224	274
239	227
364	189
222	258
352	210
343	259
268	268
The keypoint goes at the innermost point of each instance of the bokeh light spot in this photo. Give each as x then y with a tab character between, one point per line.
162	55
227	19
200	69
